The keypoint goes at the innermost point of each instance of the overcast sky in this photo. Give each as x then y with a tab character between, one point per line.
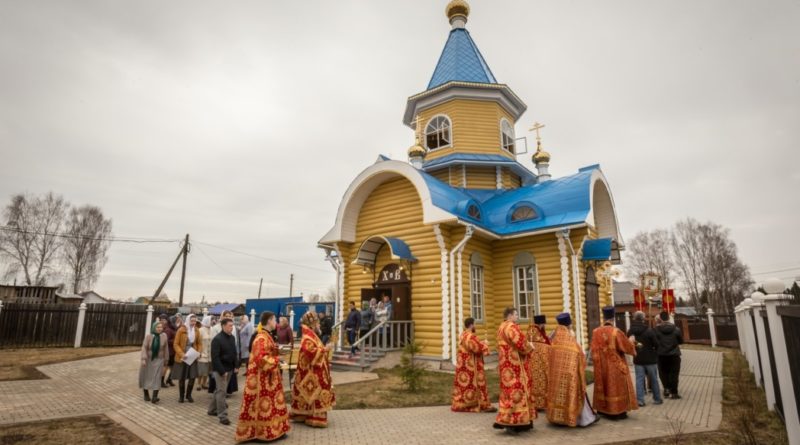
242	123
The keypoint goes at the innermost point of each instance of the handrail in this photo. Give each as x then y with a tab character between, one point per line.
393	336
370	332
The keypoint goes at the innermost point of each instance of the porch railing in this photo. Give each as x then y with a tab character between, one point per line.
385	336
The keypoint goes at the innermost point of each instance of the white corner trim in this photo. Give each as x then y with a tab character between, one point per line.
464	175
359	190
562	250
445	293
598	176
499	179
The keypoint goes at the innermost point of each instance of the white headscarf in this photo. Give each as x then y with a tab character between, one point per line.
206	322
189	329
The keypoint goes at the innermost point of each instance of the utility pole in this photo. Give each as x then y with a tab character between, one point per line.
291	284
259	288
183	272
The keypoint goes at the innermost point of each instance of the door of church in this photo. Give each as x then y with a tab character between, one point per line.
393	282
592	301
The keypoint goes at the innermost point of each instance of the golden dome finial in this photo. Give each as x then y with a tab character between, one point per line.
457	12
540	156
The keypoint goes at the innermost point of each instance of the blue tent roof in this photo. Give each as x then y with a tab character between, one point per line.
597	249
462	61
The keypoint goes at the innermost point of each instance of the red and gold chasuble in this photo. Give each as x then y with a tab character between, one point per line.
263	414
469	384
613	387
312	391
566	389
538	364
515	407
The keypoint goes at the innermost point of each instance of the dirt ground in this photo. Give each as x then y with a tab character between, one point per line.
95	430
20	364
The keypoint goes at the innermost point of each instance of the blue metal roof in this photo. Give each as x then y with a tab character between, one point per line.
481	159
400	250
597	249
461	61
220	308
368	251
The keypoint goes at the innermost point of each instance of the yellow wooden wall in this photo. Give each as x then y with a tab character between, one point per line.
475	126
510	180
393	209
481	177
487	328
442	175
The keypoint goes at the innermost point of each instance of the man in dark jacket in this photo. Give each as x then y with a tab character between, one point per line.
646	360
669	340
325	327
224	361
352	325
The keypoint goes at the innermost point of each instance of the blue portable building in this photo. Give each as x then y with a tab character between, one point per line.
284	305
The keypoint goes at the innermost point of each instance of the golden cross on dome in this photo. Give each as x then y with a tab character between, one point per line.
536	127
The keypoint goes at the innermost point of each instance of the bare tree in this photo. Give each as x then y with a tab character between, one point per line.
651	252
29	241
85	246
686	249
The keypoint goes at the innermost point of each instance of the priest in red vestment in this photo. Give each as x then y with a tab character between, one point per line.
538	362
567	402
515	412
312	391
614	395
469	384
263	415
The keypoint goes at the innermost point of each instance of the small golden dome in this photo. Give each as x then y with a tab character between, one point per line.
416	150
457	8
541	156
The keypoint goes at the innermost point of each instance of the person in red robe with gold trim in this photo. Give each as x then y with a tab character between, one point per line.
538	362
567	402
469	385
515	412
263	415
614	395
312	391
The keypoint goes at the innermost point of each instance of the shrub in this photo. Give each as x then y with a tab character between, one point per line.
411	373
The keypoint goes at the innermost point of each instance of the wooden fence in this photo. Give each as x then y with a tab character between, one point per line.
52	325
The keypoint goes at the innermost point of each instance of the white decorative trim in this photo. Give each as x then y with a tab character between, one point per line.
449	129
463	243
455	319
498	93
604	219
562	250
359	190
513	136
499	173
463	175
445	287
576	286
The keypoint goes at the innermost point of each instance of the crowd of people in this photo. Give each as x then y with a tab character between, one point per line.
209	355
540	372
359	323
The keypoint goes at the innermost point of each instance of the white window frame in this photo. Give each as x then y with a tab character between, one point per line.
476	300
511	136
532	300
449	132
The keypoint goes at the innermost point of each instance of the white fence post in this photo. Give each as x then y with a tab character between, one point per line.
291	319
79	329
149	323
712	327
1	306
627	322
253	317
763	350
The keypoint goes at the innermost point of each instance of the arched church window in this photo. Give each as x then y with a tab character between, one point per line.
526	286
507	135
474	212
523	213
476	286
437	133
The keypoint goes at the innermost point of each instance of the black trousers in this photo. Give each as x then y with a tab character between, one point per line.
669	369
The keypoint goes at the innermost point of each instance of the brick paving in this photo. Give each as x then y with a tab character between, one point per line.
108	385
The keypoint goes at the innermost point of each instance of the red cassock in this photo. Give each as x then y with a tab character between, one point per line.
538	364
263	414
515	407
566	392
469	384
613	387
312	391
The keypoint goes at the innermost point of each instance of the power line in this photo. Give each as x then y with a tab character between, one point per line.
777	271
263	257
113	239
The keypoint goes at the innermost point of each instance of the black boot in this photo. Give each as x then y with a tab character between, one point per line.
181	390
189	389
155	397
163	385
146	396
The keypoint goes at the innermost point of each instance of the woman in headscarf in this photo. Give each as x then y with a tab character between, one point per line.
245	333
187	338
171	326
204	361
312	392
154	355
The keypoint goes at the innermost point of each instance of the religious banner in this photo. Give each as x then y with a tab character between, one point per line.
639	301
668	300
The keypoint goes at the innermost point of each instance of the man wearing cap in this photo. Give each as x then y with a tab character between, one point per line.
567	402
538	361
614	395
515	413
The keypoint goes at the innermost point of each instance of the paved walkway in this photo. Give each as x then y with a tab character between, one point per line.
108	385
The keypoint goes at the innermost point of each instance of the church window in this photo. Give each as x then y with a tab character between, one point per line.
476	287
437	133
474	212
507	135
523	213
525	285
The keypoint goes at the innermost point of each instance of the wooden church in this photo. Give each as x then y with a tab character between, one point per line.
465	230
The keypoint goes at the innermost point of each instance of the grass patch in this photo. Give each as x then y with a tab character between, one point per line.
20	364
389	392
745	418
76	430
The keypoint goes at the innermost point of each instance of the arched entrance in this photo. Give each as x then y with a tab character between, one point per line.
393	280
592	292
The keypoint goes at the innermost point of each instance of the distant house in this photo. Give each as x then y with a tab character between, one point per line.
92	297
236	308
161	301
68	298
28	294
623	293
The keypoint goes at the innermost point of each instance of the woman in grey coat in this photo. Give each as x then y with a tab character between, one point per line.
154	356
